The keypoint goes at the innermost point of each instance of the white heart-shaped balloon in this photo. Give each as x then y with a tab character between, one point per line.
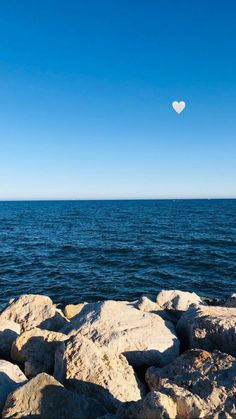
178	106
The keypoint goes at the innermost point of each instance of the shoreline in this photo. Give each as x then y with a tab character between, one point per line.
169	355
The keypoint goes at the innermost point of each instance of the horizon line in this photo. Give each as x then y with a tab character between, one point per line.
114	199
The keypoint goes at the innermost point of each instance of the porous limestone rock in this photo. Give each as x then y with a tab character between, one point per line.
177	300
44	397
9	331
210	376
231	301
96	372
35	350
34	311
11	377
71	310
144	338
155	405
170	403
209	328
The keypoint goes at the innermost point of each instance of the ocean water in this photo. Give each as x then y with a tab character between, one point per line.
77	251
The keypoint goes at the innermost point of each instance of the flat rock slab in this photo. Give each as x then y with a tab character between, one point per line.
11	377
96	372
143	337
209	328
34	311
35	350
210	376
44	397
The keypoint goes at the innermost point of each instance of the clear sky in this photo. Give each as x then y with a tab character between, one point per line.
85	99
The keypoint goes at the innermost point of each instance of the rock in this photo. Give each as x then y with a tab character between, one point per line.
144	338
9	331
170	403
46	398
34	310
209	328
35	350
96	372
177	300
11	377
188	405
210	376
231	301
71	310
146	305
155	405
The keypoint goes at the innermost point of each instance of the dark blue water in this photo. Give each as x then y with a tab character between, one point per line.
89	250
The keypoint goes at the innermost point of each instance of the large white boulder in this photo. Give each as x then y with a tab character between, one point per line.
96	372
11	377
35	350
34	311
209	328
144	338
45	398
177	300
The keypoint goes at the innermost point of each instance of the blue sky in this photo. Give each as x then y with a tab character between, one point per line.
86	91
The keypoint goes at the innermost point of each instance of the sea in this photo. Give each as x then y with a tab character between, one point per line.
75	251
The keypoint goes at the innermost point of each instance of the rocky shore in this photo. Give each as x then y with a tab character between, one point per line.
165	356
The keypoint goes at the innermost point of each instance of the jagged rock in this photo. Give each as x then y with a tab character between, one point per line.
35	350
9	331
209	328
177	300
11	377
170	403
34	310
71	310
45	397
231	301
96	372
144	304
144	338
147	305
155	405
210	376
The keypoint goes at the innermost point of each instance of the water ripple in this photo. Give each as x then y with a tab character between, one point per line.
81	250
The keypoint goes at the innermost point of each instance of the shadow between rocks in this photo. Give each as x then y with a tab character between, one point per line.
151	357
7	385
7	336
96	392
40	356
